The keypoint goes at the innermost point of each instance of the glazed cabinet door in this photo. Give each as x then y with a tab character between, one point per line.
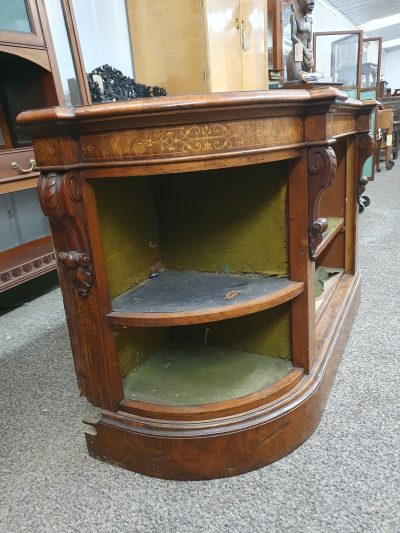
19	23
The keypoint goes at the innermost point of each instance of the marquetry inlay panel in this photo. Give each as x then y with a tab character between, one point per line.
49	150
192	140
339	124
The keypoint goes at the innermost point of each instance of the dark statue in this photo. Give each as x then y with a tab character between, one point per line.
116	86
301	33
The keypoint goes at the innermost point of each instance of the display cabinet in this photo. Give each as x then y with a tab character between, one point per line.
393	102
349	59
29	79
338	57
370	78
20	23
190	234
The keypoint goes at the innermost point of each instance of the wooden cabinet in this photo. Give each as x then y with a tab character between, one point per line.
393	102
196	46
189	232
29	79
20	23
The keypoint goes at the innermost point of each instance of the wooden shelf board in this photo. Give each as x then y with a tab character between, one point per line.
322	301
187	374
335	225
179	298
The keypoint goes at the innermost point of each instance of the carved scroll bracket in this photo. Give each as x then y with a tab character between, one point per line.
322	166
364	151
61	200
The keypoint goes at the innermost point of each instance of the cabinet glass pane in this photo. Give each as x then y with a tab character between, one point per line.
31	222
370	60
8	234
14	16
63	52
336	58
21	219
104	34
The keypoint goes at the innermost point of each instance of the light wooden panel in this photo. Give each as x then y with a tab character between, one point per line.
167	44
222	29
253	19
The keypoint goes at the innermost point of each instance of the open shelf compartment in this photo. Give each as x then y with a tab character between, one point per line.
175	297
188	374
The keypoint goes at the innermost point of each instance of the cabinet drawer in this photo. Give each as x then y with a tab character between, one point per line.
10	178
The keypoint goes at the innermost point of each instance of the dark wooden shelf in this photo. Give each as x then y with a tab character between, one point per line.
179	298
187	374
335	225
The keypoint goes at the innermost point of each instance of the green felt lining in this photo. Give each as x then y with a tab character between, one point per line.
229	220
265	333
185	374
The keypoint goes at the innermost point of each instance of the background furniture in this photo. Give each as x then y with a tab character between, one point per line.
225	44
29	79
384	124
198	335
338	56
393	102
371	58
354	61
279	38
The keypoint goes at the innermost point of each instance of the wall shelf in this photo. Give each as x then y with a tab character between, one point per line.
178	298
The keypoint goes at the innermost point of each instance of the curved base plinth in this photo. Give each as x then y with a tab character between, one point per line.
231	445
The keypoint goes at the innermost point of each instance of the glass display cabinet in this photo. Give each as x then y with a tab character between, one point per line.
337	57
20	23
346	58
29	79
371	65
370	78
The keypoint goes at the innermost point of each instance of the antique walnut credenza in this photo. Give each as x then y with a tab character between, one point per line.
188	233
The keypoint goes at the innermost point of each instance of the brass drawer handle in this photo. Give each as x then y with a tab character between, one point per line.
15	165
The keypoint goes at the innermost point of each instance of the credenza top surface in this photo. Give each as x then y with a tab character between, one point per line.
267	99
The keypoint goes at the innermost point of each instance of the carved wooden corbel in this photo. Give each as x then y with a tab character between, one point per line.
364	151
321	173
60	196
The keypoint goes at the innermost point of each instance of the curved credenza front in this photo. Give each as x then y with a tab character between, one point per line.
206	248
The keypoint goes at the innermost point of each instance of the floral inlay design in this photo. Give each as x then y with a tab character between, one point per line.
180	141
